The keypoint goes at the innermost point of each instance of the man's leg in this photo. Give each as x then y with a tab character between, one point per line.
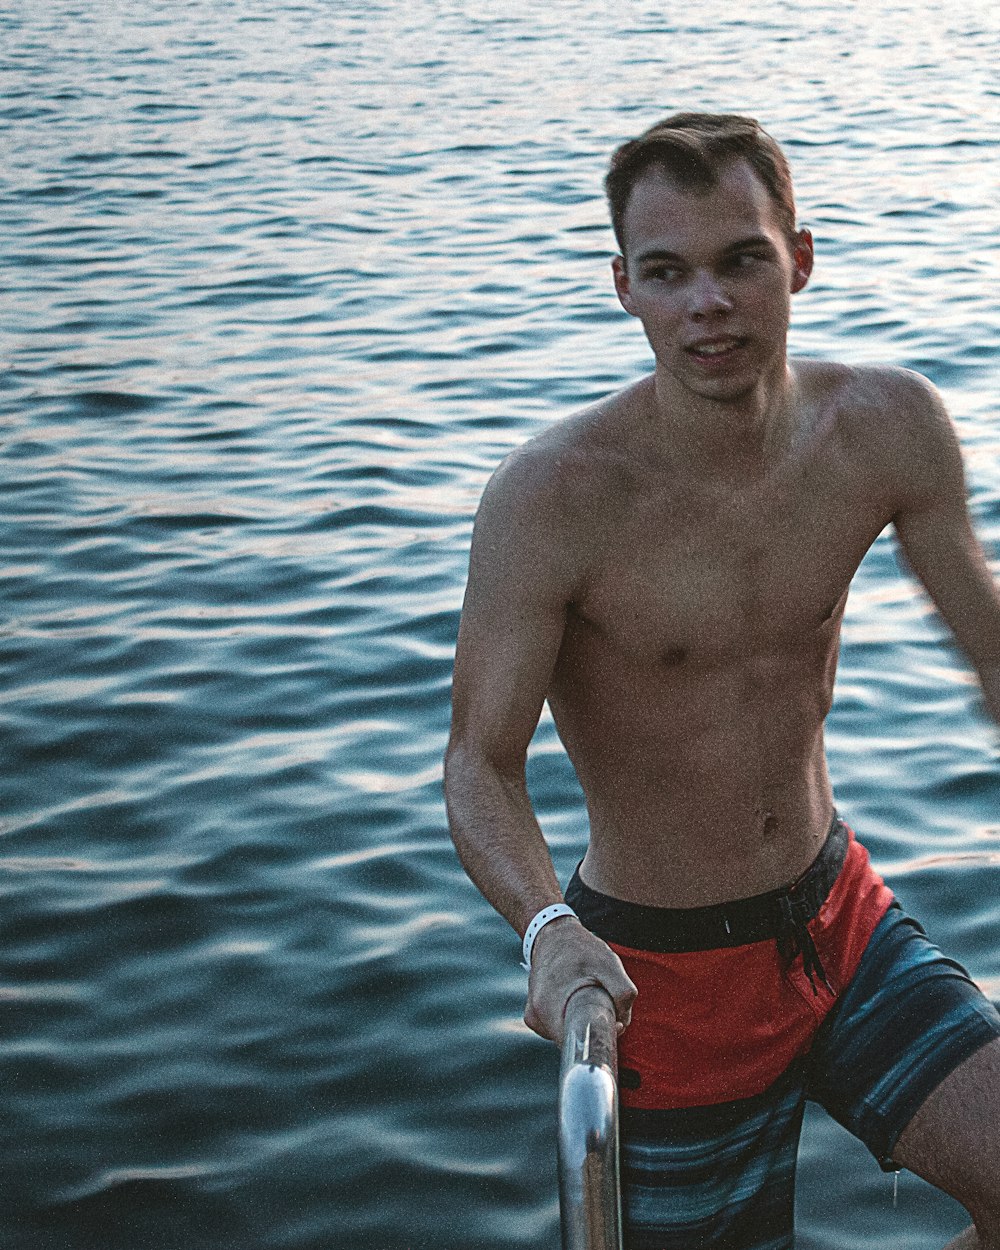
720	1176
909	1061
953	1141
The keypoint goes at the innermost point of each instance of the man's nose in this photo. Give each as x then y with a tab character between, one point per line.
709	296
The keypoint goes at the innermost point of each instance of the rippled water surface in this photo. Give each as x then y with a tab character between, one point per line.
281	285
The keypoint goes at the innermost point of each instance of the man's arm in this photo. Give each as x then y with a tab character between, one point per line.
521	576
936	536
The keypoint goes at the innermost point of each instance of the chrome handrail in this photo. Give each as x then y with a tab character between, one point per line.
589	1194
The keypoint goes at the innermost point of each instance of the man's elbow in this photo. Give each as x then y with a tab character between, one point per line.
474	770
989	681
455	761
466	790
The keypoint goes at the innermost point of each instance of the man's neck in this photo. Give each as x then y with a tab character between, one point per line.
730	439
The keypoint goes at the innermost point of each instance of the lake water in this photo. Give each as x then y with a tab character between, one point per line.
281	284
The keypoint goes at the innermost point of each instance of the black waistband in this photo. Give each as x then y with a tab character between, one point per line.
670	930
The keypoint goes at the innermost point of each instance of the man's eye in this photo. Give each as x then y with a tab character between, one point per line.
664	273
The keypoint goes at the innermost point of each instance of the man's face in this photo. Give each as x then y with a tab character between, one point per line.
710	275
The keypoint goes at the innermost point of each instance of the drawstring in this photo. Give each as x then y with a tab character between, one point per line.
795	939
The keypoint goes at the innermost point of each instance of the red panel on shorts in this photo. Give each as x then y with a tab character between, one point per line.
712	1026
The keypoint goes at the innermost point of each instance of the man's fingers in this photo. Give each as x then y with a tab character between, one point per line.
565	959
536	1024
623	997
551	1030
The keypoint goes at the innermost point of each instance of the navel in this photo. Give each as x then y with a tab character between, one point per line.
673	656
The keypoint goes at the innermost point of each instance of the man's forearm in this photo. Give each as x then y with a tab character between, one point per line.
501	847
497	835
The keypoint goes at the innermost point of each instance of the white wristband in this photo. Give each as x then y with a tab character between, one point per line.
552	912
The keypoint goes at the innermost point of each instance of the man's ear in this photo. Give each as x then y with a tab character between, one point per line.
623	287
802	259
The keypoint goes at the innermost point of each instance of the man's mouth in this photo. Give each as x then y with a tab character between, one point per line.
714	348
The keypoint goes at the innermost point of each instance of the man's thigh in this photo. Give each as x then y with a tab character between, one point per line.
953	1139
722	1176
905	1026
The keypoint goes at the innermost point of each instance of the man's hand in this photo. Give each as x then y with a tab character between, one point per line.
565	957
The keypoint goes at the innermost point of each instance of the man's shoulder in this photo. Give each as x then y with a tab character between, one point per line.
885	426
864	386
540	512
566	461
873	407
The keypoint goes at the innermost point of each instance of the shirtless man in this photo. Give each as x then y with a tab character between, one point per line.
669	568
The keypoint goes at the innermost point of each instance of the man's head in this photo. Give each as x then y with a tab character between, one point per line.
692	149
704	214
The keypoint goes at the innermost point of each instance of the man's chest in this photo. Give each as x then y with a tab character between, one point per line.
763	570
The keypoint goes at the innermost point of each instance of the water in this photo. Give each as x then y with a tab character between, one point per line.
281	284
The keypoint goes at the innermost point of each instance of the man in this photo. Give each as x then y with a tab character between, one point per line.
669	568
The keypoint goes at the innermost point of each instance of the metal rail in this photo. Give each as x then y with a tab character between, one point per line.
589	1194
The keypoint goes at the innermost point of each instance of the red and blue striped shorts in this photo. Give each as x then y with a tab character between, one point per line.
824	991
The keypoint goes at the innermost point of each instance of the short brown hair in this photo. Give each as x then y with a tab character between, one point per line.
693	148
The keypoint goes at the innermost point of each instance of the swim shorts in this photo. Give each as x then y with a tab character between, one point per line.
824	991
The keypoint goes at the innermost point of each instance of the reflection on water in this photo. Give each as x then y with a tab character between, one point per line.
284	285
